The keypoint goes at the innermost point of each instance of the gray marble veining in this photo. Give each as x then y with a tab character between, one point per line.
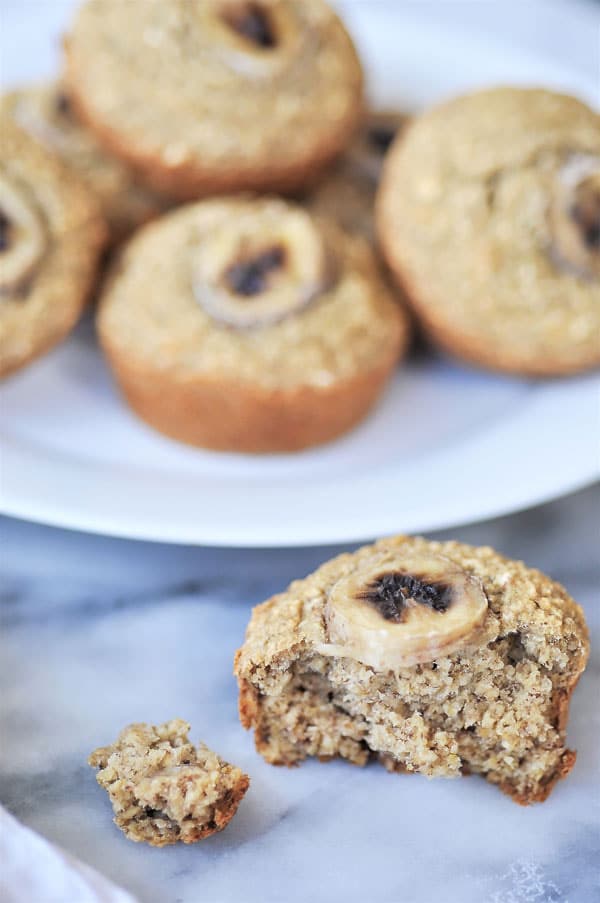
98	632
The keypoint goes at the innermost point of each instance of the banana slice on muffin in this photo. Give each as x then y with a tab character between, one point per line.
51	237
246	324
23	235
575	215
391	617
215	96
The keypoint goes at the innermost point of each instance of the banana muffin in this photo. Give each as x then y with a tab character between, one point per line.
46	113
346	193
51	238
244	324
163	789
214	96
488	213
434	657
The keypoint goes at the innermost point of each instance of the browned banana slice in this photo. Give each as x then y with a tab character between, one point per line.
23	236
256	268
257	38
575	215
391	617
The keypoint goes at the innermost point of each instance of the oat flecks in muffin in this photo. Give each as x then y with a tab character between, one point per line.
477	213
163	789
496	705
291	61
52	235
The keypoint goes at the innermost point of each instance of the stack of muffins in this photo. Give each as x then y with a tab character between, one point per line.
269	240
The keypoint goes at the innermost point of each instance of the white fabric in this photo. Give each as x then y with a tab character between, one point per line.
32	869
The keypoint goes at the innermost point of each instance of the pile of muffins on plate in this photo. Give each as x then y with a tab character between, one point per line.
271	243
260	249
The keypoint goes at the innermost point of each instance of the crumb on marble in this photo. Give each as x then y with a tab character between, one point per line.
163	789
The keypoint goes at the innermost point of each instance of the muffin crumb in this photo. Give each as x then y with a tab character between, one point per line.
163	789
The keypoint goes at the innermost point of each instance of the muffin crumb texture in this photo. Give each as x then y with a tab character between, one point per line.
497	706
163	789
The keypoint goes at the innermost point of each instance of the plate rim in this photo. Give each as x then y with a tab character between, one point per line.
569	466
343	537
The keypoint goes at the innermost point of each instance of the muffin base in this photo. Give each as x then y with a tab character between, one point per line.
226	415
470	348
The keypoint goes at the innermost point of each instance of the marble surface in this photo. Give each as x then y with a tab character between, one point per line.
99	632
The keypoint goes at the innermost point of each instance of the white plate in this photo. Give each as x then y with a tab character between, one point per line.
447	445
